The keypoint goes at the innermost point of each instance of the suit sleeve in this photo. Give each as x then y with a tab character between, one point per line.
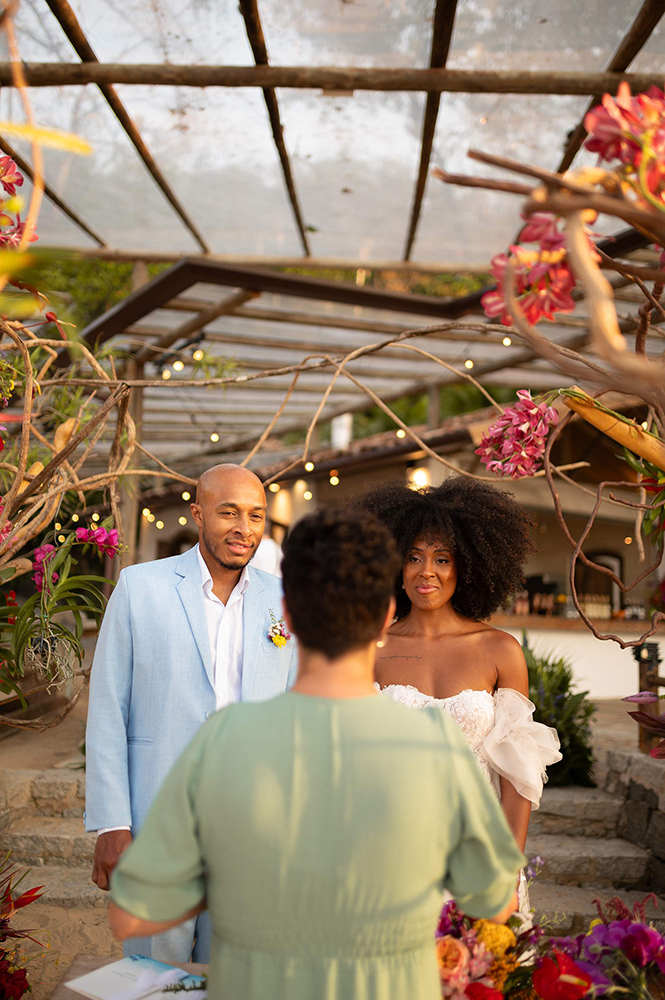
107	775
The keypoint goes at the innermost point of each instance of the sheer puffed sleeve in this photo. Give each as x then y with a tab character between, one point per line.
517	748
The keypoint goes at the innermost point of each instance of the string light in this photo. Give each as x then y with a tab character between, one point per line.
309	466
159	525
58	526
468	363
645	425
182	520
420	478
400	433
166	374
214	437
151	517
274	487
178	365
334	480
198	354
95	516
506	341
61	538
186	496
307	495
146	512
75	518
628	540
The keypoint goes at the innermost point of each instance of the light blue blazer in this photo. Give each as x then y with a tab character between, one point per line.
151	686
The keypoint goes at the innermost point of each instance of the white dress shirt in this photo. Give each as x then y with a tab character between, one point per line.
225	633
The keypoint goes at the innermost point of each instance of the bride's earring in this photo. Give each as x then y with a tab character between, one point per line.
381	643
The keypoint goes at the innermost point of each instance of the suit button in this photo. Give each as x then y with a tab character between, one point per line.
209	715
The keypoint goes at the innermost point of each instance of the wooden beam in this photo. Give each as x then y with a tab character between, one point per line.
187	273
250	12
217	309
640	31
52	195
275	260
454	81
442	32
72	29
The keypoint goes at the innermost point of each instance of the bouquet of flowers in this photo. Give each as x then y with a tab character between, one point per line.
621	954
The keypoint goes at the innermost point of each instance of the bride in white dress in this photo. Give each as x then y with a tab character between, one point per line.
464	545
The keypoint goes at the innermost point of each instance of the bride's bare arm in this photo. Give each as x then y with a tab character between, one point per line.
512	673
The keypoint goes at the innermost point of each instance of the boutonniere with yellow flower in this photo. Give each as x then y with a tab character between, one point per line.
278	632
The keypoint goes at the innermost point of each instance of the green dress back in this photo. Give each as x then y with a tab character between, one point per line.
322	833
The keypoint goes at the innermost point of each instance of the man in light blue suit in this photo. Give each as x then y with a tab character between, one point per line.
181	638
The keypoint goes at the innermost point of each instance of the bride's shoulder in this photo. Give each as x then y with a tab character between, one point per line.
507	657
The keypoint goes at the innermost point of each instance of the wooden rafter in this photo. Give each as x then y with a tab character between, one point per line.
442	33
640	31
250	12
68	22
455	81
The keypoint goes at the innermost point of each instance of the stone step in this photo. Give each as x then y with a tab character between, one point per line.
576	812
67	887
48	840
570	909
50	792
589	861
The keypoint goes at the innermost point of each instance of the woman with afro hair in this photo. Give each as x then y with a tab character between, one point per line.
464	545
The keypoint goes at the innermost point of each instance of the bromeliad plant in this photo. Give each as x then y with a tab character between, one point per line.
33	639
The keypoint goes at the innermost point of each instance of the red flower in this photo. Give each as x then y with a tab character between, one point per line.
10	176
478	991
12	984
560	980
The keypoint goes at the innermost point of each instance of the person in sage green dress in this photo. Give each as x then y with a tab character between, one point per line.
321	828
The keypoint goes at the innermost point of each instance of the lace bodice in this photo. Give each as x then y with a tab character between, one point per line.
501	732
473	711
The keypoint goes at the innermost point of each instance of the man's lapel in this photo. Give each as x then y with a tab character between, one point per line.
190	591
254	613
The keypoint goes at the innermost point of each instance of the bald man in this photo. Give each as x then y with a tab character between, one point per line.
181	638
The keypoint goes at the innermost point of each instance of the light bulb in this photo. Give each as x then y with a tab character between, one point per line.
75	517
159	525
307	495
506	341
309	466
186	496
151	517
146	512
334	480
468	363
57	526
95	517
274	487
420	477
182	520
178	365
645	425
166	374
214	437
61	538
400	433
198	354
628	540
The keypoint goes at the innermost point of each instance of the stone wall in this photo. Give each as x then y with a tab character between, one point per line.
26	793
639	782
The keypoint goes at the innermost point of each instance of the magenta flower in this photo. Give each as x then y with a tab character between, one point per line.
10	176
515	444
42	557
618	126
12	237
541	227
106	541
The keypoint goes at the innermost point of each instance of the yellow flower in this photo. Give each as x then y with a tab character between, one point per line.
500	969
594	923
279	640
497	938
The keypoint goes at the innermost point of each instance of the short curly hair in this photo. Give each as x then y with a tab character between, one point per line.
338	572
488	531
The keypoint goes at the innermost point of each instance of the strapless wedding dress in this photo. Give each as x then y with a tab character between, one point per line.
505	740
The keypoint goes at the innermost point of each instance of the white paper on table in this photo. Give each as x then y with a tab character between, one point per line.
131	978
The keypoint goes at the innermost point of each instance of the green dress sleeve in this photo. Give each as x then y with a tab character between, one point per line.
484	861
161	874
